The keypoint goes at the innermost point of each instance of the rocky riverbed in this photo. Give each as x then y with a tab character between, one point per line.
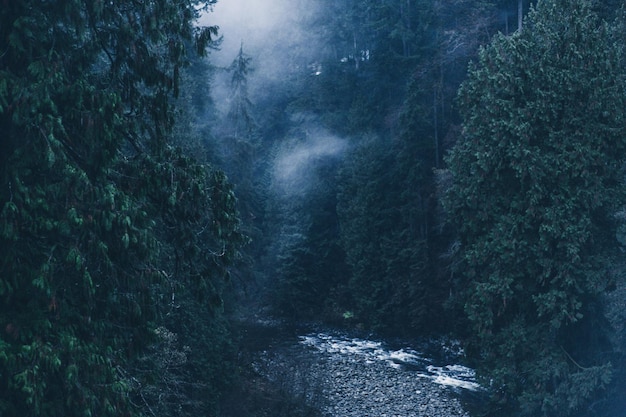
343	377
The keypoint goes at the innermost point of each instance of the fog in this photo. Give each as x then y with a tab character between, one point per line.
295	163
277	36
253	22
272	32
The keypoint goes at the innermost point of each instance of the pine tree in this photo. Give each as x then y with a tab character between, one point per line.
537	181
239	113
383	208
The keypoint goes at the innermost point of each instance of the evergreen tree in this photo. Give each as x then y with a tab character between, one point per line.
239	113
383	208
99	215
537	180
310	267
366	223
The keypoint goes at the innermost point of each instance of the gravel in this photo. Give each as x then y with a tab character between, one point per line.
341	385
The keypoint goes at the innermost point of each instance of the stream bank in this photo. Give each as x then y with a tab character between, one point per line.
327	374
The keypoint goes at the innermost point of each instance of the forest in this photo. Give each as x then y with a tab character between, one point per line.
403	168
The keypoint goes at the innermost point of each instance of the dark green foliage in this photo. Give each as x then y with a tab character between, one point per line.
388	70
537	182
311	268
384	213
369	222
187	369
367	54
101	221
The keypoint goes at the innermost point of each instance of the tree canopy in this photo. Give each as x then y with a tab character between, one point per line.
537	181
118	233
102	221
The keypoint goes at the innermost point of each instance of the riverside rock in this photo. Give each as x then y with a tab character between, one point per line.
348	384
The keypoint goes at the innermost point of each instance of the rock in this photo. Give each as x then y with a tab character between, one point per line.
341	386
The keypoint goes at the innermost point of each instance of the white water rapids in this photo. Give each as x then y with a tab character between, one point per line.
368	351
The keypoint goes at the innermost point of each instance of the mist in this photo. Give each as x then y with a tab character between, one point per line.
271	32
255	23
294	168
276	35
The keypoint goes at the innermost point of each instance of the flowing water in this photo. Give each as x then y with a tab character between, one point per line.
346	376
452	375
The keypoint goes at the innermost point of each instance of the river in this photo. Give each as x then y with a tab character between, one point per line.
342	375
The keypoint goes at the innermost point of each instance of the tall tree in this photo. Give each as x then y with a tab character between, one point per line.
383	209
239	113
537	181
88	174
